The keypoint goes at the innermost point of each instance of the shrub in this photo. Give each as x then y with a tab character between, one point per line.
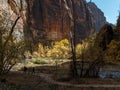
12	47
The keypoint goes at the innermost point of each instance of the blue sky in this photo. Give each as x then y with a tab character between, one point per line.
110	8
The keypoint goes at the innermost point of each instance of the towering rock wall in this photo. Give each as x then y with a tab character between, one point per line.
46	19
98	16
49	19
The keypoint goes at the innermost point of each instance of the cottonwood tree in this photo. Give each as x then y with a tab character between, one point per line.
71	15
11	49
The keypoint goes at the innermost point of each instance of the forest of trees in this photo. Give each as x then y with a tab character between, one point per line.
86	57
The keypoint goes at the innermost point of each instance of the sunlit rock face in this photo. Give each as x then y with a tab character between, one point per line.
11	17
49	19
98	16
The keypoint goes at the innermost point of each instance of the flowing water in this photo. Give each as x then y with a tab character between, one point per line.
109	74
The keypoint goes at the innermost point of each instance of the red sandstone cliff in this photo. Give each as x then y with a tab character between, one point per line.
49	19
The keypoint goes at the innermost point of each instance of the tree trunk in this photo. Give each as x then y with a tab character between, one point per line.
73	43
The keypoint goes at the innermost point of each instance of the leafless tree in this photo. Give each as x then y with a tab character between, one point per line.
72	35
11	50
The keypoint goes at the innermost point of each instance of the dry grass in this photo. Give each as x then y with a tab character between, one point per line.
59	74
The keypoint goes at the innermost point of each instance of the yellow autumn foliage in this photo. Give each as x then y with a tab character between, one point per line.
113	51
79	49
60	49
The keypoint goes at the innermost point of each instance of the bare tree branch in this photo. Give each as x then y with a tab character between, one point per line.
11	31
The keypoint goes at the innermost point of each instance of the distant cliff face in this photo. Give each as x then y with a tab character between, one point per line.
98	16
83	17
49	19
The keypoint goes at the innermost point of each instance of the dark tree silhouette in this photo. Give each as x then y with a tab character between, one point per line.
73	38
104	37
118	23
